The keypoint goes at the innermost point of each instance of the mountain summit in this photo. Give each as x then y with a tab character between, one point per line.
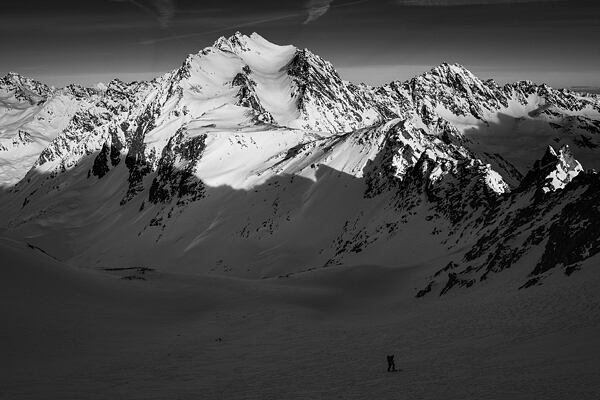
259	160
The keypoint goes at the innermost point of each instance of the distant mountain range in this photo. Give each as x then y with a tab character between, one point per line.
258	160
586	89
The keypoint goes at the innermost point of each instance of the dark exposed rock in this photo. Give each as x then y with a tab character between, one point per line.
426	290
178	182
248	97
136	160
115	149
453	281
100	167
22	138
450	266
575	235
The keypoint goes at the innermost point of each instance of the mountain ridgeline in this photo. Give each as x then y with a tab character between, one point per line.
258	160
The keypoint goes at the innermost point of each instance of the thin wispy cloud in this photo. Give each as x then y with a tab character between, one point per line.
244	24
162	10
256	21
165	11
450	3
316	9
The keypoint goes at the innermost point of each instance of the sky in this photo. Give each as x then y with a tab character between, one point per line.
371	41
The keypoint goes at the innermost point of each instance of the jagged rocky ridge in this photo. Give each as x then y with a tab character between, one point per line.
265	147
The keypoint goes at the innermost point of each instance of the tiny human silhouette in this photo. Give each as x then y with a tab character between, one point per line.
391	364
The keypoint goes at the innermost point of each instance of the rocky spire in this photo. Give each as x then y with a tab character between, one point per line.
553	171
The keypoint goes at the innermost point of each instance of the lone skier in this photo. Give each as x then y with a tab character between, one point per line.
391	364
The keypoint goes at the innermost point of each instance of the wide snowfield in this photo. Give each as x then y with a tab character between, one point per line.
80	334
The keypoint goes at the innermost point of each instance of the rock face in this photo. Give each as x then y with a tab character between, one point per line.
175	172
555	225
259	160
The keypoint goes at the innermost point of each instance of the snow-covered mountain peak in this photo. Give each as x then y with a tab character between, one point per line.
239	71
17	79
278	84
255	52
453	91
24	88
454	76
240	43
450	72
237	41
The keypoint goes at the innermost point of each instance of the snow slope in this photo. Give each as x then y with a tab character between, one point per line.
81	334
